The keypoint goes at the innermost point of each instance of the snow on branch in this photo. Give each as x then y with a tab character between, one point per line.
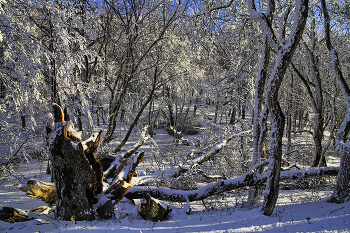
203	158
122	159
250	178
216	149
301	131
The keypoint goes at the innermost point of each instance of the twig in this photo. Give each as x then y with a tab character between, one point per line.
301	131
337	209
12	156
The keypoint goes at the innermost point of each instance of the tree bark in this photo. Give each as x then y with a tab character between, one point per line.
153	210
342	190
259	94
250	178
76	173
39	190
12	215
73	177
284	55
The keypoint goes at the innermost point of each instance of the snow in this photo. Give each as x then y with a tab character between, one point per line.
296	211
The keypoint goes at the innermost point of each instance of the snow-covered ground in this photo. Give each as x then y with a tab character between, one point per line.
297	211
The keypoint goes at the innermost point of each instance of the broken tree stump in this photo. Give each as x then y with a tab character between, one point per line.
76	173
39	190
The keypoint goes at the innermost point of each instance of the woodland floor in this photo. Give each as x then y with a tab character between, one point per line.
296	211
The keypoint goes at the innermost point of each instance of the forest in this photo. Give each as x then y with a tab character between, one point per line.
156	102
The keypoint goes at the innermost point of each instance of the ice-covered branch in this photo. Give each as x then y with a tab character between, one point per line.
335	60
265	22
203	158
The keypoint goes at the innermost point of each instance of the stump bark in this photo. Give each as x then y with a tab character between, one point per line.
153	210
77	174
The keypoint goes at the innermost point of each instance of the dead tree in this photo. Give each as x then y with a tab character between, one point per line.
190	164
78	175
39	190
153	209
84	182
250	178
11	215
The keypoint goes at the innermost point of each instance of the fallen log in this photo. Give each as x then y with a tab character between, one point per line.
123	175
250	178
203	158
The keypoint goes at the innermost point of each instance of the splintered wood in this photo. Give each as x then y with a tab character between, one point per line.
39	190
124	170
76	173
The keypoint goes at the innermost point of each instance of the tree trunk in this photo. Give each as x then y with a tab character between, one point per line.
284	56
23	121
342	189
98	116
248	179
274	169
233	116
243	111
113	114
259	94
76	173
73	177
143	107
171	116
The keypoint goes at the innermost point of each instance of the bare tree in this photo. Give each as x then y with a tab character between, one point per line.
342	190
285	50
133	17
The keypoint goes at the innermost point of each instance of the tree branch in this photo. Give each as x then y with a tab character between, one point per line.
247	179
